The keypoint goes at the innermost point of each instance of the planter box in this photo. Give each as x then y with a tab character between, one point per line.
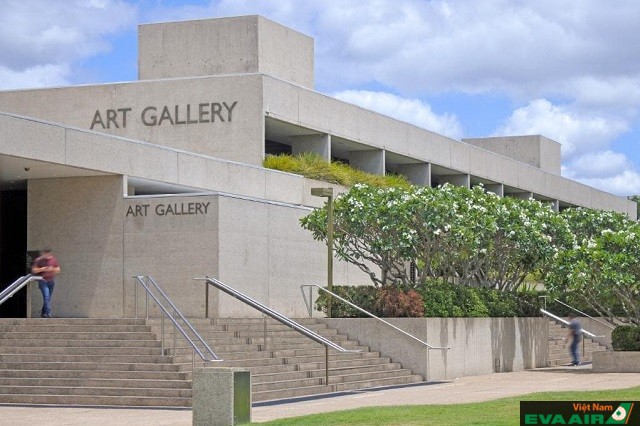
616	362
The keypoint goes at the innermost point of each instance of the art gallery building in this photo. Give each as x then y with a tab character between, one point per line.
163	176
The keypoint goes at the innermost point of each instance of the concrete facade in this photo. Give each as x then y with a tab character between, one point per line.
215	97
477	345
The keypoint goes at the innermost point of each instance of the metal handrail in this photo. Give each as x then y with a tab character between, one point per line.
422	342
280	318
565	322
585	315
309	308
144	280
16	286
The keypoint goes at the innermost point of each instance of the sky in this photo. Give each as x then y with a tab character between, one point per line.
568	70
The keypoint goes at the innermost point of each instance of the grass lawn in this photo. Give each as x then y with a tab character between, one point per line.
496	413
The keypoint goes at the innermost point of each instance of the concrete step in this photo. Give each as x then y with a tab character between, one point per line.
102	359
93	382
95	374
77	351
75	343
113	335
132	401
71	321
77	328
89	366
94	391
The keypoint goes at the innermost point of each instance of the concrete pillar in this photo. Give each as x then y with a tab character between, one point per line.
221	396
522	195
418	174
318	144
371	161
555	205
496	188
457	180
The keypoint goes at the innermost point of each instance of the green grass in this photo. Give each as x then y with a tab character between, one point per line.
496	413
313	166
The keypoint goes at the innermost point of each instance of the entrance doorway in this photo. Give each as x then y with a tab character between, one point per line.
13	249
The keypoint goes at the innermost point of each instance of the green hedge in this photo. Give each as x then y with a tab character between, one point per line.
438	298
626	338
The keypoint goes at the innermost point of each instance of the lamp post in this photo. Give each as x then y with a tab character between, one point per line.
328	193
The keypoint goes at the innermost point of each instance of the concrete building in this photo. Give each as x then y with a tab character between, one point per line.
163	176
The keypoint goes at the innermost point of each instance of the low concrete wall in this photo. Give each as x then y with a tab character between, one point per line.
616	362
477	345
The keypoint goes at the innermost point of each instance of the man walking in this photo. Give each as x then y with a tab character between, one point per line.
575	333
47	267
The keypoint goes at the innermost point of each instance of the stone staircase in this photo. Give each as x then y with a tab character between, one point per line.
288	364
559	343
119	362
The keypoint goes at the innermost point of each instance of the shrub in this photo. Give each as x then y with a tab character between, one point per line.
313	166
500	304
626	338
362	296
392	302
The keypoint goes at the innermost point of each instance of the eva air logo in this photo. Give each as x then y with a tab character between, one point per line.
621	415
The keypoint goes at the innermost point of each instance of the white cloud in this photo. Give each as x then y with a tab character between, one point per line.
40	35
601	164
413	111
38	76
577	133
626	182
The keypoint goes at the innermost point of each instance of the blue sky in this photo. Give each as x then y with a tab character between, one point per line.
567	70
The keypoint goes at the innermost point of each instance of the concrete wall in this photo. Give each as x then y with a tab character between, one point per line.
102	240
478	345
297	105
534	150
217	116
236	45
172	239
81	220
265	254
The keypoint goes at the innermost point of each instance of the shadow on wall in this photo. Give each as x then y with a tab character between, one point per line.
534	342
503	344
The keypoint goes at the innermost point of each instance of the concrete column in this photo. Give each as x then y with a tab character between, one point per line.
221	396
457	180
371	161
418	174
521	195
496	188
556	206
318	144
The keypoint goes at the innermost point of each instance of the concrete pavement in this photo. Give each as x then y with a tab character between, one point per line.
462	390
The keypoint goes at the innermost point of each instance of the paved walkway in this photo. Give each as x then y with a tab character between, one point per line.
465	389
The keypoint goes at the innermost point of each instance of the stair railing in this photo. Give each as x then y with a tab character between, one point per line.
278	317
309	304
147	282
585	315
565	322
16	286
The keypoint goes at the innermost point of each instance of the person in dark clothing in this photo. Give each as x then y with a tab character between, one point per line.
575	334
47	267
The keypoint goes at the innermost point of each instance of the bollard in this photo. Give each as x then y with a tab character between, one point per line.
221	396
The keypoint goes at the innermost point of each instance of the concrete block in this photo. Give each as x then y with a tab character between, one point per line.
616	362
221	396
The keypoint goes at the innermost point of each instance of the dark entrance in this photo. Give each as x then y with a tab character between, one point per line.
13	249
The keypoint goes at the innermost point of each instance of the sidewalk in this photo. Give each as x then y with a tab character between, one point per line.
462	390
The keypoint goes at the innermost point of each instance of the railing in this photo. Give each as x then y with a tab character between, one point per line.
585	315
565	322
309	304
278	317
16	286
145	282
